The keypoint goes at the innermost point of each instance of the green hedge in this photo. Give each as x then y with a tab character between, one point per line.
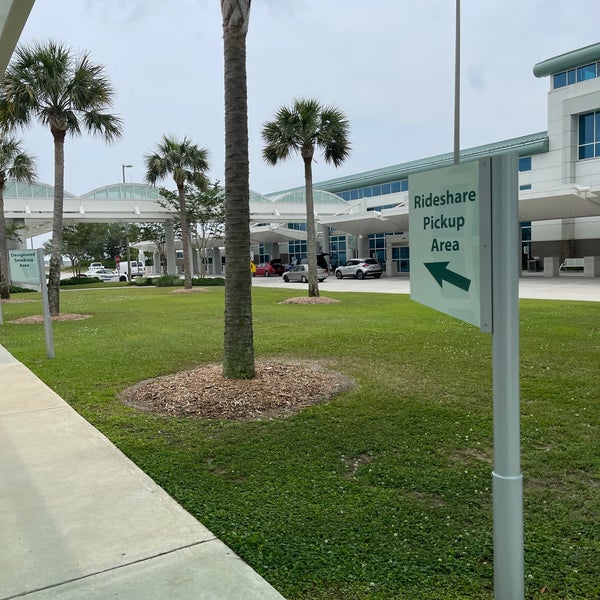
79	281
141	281
168	281
206	281
175	281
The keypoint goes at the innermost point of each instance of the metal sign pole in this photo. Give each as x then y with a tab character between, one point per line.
507	481
46	305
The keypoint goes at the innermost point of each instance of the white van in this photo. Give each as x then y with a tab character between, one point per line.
137	268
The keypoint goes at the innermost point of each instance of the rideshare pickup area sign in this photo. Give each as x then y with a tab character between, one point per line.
450	241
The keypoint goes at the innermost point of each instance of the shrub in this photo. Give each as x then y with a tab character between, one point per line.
79	281
142	281
206	281
13	289
168	281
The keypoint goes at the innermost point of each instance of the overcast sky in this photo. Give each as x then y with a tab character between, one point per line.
388	64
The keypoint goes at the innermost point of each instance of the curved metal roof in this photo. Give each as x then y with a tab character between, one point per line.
568	60
319	197
256	197
21	189
124	191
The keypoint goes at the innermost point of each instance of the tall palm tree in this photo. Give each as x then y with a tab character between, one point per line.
14	164
185	162
238	359
302	128
66	92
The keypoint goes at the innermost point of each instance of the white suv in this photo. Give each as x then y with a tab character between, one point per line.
359	268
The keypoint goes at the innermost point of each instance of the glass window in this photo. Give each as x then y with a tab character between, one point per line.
354	195
525	163
586	72
395	187
571	76
560	80
385	188
586	152
376	190
404	185
586	128
525	186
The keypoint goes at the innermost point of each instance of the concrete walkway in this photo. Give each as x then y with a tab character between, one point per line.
79	520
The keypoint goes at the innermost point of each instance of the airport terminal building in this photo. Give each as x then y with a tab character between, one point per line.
366	214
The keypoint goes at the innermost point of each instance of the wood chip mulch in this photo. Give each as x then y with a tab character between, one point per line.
182	290
15	301
279	390
33	319
310	300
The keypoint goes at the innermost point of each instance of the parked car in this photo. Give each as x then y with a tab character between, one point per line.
95	266
321	262
267	269
300	273
277	265
359	268
106	275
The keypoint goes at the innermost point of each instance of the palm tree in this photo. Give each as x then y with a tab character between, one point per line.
238	355
66	92
186	162
302	128
15	164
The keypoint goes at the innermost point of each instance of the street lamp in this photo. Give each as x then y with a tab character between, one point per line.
123	167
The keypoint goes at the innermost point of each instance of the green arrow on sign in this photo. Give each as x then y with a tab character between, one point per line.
441	273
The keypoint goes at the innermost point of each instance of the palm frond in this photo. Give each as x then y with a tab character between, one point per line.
304	126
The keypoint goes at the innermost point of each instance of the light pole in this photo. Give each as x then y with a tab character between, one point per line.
123	167
128	252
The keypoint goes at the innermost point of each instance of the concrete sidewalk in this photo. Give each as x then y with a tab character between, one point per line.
79	520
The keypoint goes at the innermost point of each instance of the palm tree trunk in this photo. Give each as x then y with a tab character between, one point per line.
238	359
57	222
4	285
311	233
185	239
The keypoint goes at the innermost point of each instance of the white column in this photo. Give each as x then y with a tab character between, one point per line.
170	248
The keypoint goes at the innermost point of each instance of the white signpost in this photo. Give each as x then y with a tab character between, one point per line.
27	269
464	262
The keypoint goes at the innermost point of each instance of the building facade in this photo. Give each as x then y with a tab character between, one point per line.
559	185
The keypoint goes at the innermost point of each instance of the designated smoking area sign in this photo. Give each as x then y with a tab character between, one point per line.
464	262
27	269
24	267
450	241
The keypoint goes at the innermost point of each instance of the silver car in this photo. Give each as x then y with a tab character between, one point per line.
300	273
359	268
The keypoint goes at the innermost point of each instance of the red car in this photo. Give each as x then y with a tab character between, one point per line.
268	269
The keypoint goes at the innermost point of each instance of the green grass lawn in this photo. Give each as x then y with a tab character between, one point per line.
382	493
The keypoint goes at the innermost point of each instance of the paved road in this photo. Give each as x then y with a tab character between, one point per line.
565	287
